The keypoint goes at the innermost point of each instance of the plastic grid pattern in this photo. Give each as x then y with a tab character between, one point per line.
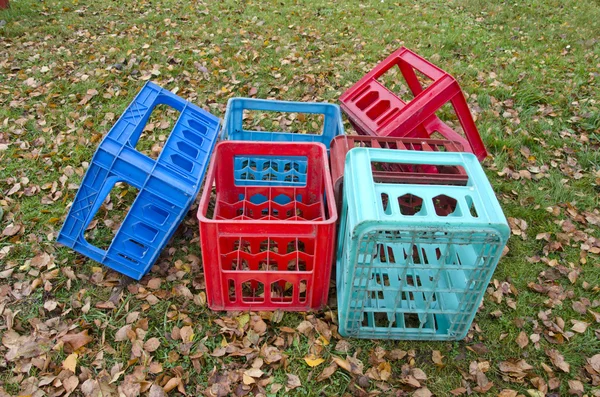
167	186
418	274
275	243
374	110
233	130
421	174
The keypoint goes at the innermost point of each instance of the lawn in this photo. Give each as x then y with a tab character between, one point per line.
68	69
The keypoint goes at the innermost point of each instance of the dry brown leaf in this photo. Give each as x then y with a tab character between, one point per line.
172	384
327	372
558	360
437	358
71	383
247	379
254	372
156	391
596	315
575	387
293	381
522	340
535	393
508	393
422	392
594	362
187	334
123	334
75	341
70	363
151	344
344	364
579	326
419	374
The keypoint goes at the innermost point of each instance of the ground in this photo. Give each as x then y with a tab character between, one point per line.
69	68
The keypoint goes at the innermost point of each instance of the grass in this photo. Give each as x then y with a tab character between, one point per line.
530	69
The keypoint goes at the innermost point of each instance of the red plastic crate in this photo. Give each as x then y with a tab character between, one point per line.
375	110
267	247
396	173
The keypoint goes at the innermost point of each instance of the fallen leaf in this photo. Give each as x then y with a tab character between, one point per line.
313	361
536	393
437	358
156	391
71	383
172	384
422	392
122	334
596	315
522	340
293	381
151	344
70	363
76	341
579	326
327	372
575	387
50	305
187	334
558	360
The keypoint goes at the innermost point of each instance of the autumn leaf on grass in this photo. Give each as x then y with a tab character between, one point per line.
344	364
249	377
515	370
73	342
558	360
437	359
156	391
293	381
187	334
151	345
575	387
70	363
422	392
327	372
579	326
522	340
313	360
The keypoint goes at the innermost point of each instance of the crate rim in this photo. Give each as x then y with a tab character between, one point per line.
209	178
367	226
224	135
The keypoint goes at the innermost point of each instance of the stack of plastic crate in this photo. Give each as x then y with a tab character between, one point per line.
421	230
272	216
268	240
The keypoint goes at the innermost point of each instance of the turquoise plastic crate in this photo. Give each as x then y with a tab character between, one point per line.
414	261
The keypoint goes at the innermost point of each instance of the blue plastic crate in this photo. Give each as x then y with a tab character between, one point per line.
167	186
414	261
290	172
233	123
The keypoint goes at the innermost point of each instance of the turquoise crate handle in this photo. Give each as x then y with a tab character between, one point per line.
362	176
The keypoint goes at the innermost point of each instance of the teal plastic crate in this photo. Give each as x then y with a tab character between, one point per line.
414	261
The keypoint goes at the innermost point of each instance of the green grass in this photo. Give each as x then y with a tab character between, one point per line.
537	61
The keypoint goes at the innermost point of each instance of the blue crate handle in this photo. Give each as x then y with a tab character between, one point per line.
233	122
167	186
